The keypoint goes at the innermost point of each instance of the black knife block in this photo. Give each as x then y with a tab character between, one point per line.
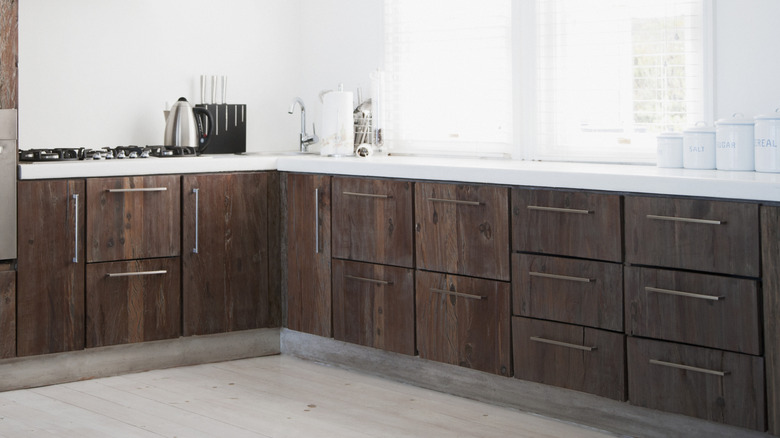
228	135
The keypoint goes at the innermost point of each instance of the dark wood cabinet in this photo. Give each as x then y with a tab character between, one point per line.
570	223
133	218
50	295
570	356
225	252
463	229
770	263
372	221
308	219
712	384
373	305
133	301
7	314
463	321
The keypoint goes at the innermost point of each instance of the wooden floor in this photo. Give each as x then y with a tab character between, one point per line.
275	396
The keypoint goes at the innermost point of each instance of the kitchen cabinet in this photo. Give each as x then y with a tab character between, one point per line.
373	305
308	219
133	301
225	252
51	265
770	267
7	314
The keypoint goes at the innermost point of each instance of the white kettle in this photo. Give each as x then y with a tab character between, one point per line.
184	126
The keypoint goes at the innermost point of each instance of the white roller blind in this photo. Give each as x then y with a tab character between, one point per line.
449	76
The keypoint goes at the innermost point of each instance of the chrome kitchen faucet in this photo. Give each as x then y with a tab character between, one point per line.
305	138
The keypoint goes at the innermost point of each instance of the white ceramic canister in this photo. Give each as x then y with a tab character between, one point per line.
699	147
734	149
767	134
670	150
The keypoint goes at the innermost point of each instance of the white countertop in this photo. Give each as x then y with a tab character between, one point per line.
609	177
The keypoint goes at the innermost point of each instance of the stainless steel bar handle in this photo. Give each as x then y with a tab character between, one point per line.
561	277
558	210
369	280
135	274
365	195
316	221
76	229
689	368
683	294
458	294
197	196
685	219
561	344
141	189
454	201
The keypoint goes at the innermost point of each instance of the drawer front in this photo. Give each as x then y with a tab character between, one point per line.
712	384
566	290
570	356
706	310
463	229
577	224
133	218
700	235
373	305
463	321
372	221
133	301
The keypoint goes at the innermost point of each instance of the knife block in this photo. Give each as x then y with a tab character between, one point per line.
228	135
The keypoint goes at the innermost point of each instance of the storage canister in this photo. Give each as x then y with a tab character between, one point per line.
670	150
734	148
699	147
767	134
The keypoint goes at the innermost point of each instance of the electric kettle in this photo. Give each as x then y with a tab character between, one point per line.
184	126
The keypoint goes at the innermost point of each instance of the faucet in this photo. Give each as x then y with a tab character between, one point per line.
305	138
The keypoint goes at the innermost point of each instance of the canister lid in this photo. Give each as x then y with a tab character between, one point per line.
735	119
670	135
700	128
773	116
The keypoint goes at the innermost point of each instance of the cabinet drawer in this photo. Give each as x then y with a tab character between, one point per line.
372	221
133	218
700	235
373	305
463	321
575	291
133	301
707	310
712	384
570	356
463	229
577	224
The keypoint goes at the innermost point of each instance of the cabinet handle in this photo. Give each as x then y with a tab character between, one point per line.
76	229
558	210
197	196
454	201
683	294
458	294
561	277
369	280
366	195
562	344
141	189
689	368
685	219
317	221
133	274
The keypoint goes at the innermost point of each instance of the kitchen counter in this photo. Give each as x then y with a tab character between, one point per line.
609	177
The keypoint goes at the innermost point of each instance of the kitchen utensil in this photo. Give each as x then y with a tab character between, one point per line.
184	126
734	148
670	150
699	147
767	134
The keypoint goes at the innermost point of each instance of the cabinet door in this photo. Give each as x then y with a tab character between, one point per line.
133	218
7	314
308	254
463	229
372	221
770	287
373	305
50	290
225	257
463	321
133	301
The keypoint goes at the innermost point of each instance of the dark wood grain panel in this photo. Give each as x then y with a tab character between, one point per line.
570	356
731	247
373	220
275	243
50	283
225	284
575	291
9	53
570	223
373	305
134	308
133	225
735	398
7	314
309	301
469	236
471	329
731	323
770	261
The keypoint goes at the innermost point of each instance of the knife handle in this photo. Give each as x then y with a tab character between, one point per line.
202	89
214	89
224	89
